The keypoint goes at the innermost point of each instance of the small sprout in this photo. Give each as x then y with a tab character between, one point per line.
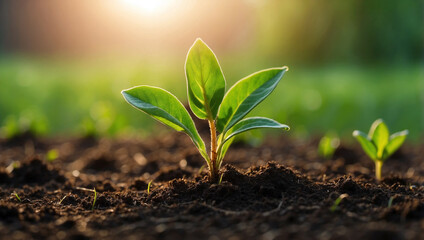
61	200
220	179
89	190
13	165
148	187
338	201
17	196
201	169
389	204
378	145
95	199
208	100
52	155
327	146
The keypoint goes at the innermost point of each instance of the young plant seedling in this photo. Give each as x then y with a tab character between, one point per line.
148	187
17	196
378	145
390	202
208	100
90	190
337	202
52	155
327	146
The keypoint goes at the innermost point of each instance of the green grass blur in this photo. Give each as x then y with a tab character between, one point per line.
72	98
351	62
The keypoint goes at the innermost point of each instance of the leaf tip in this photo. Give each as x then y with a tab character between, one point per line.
198	41
355	133
377	122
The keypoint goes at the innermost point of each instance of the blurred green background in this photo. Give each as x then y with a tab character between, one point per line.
64	63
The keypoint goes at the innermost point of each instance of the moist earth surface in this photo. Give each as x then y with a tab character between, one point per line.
279	190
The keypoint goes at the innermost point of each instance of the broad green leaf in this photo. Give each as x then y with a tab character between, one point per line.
245	125
252	123
379	134
166	108
396	140
245	95
367	145
205	81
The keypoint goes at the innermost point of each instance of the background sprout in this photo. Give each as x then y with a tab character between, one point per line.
90	190
224	111
17	196
328	145
337	202
149	185
52	155
378	145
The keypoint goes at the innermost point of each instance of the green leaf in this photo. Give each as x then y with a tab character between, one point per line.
327	146
245	125
396	140
367	145
379	134
245	95
205	81
166	108
252	123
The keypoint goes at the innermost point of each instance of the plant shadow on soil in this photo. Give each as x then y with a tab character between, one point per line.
280	190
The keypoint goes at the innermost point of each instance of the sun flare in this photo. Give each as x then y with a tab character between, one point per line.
147	6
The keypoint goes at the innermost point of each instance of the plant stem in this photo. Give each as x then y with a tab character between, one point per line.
378	166
214	168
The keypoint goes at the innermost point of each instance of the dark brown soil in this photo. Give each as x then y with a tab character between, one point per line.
280	190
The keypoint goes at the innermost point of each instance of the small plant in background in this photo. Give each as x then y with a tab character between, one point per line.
337	202
12	166
378	145
17	196
149	185
89	190
328	145
27	122
52	155
208	100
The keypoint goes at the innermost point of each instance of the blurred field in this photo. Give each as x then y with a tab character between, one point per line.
351	62
72	98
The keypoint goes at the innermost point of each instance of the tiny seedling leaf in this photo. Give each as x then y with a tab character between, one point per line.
246	94
390	202
149	185
366	144
17	196
166	108
327	146
337	202
379	134
205	81
396	140
94	198
52	155
220	179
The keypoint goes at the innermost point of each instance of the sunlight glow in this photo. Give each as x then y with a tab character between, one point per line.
147	6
